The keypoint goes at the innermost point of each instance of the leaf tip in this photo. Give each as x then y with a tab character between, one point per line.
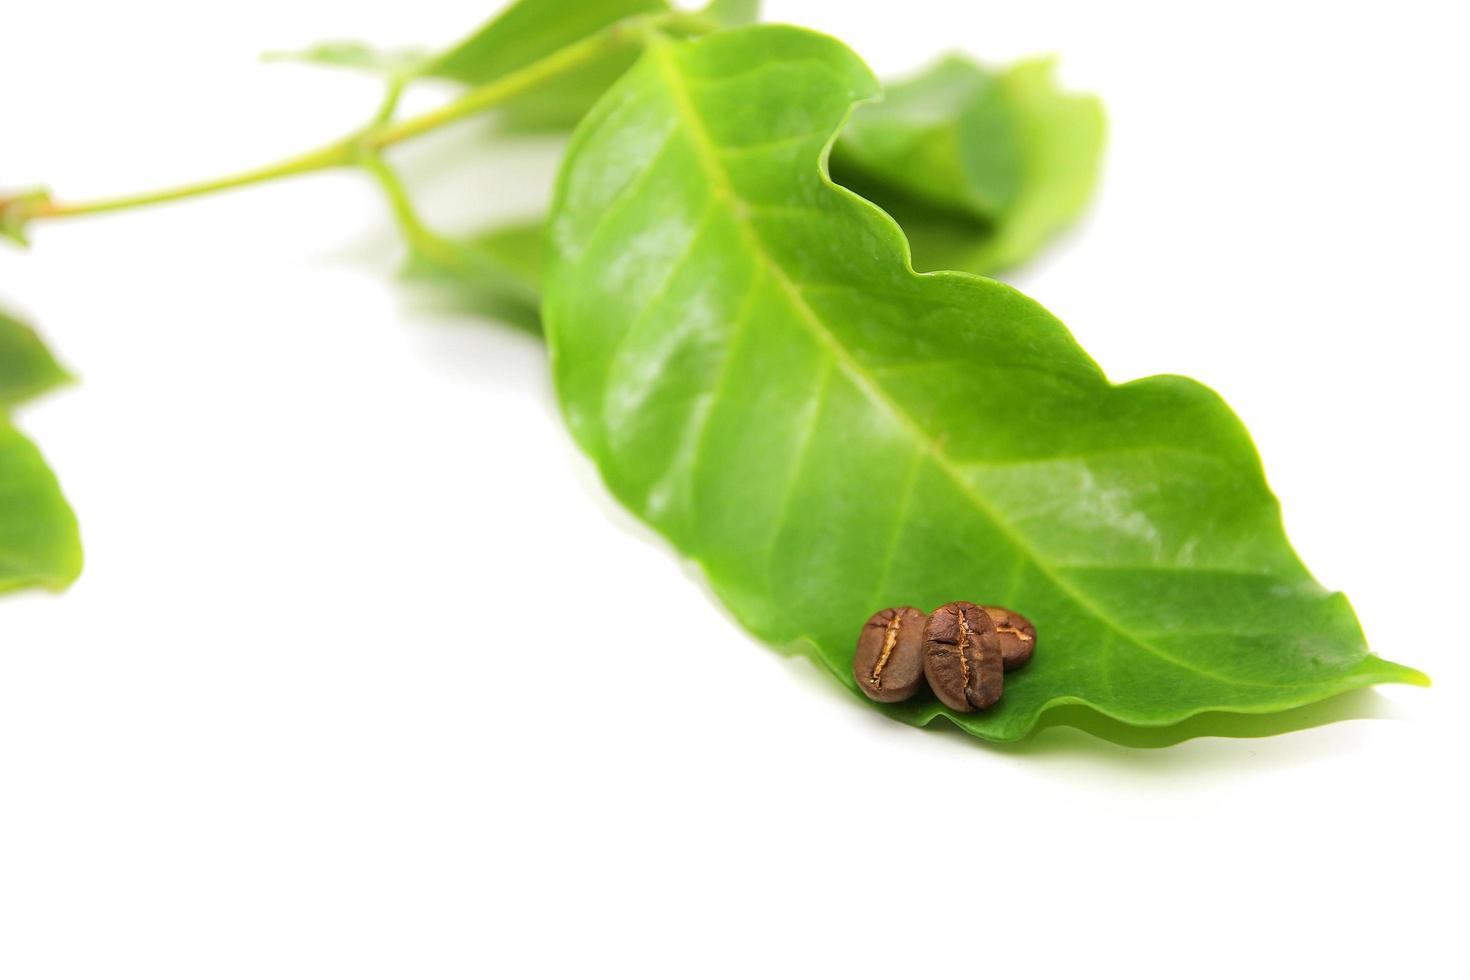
1387	672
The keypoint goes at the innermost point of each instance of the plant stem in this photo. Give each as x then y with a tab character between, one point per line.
383	132
497	91
332	155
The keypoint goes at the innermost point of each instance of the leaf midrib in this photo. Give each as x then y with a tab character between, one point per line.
707	154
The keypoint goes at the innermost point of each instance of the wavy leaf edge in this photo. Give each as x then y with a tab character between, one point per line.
1370	670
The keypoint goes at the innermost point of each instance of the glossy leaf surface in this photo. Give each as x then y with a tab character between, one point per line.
746	353
979	167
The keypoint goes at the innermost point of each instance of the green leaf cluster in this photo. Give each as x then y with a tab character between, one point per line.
763	285
39	542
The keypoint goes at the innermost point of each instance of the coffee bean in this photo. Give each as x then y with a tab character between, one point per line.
1017	636
889	664
962	658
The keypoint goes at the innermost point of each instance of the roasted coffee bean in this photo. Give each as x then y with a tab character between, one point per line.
1017	636
889	664
962	658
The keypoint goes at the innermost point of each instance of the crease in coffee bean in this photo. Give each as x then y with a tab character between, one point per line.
964	642
890	640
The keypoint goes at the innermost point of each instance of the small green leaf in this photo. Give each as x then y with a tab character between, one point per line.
27	368
39	544
744	350
529	30
495	273
980	168
949	137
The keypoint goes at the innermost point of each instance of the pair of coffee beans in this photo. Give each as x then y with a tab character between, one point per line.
961	650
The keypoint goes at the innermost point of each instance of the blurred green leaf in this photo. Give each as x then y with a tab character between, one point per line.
495	273
27	368
980	168
949	137
530	30
39	542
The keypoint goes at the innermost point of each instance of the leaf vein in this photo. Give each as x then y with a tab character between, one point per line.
706	151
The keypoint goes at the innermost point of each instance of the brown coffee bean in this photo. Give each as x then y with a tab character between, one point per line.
889	663
962	658
1017	636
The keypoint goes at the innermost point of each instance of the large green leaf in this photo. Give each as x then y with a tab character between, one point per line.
39	544
746	353
980	168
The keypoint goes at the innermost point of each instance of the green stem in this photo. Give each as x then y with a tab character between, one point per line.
497	91
380	134
415	231
332	155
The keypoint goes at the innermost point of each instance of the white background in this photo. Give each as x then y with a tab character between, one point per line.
336	697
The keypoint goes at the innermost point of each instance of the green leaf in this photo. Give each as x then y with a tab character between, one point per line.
746	353
39	542
949	138
529	30
40	545
495	273
27	368
980	168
